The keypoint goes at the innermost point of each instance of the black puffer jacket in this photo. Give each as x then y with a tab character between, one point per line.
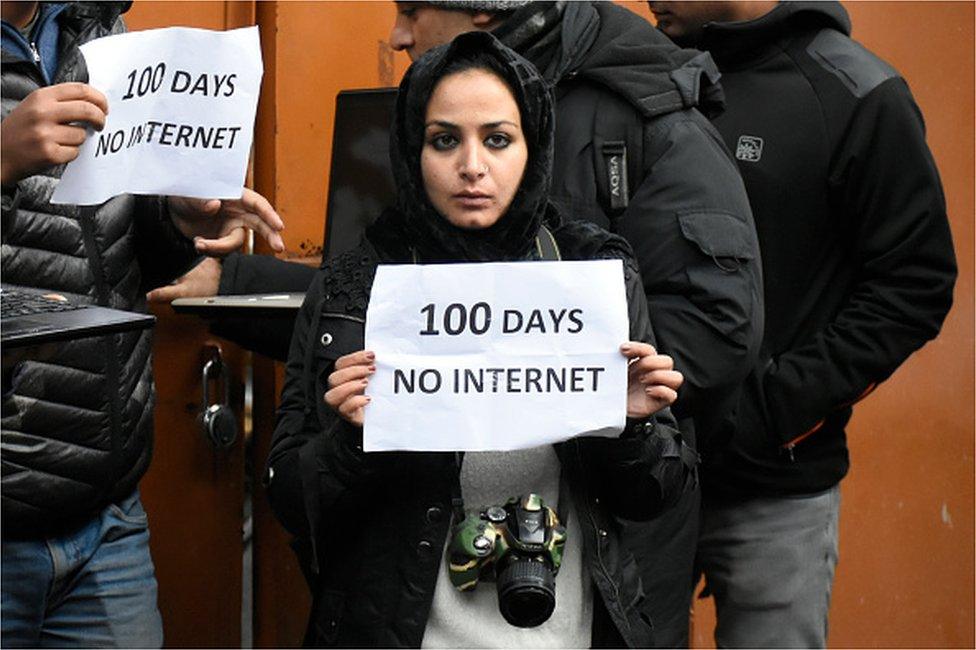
370	527
77	421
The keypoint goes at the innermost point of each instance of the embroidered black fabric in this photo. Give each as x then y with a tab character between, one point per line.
347	285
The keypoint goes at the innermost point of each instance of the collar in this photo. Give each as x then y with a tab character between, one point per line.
737	43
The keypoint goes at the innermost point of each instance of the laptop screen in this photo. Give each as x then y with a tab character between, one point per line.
360	181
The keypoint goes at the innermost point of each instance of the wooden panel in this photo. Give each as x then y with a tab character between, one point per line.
192	492
322	48
194	495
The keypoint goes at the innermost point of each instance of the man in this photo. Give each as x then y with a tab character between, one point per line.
77	423
635	156
859	270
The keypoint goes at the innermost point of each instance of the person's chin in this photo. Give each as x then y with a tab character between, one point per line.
473	220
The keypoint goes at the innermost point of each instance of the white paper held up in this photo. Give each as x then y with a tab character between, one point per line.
181	115
495	356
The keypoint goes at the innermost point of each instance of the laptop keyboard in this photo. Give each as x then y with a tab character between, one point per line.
21	303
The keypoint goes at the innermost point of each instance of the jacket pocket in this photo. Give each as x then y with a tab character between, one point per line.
336	335
754	435
720	235
726	277
326	618
339	334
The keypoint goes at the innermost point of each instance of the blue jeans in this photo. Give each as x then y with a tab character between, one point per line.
769	563
92	587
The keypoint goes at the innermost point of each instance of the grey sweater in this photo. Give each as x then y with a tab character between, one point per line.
471	619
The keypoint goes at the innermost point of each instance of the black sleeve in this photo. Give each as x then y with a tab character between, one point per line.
164	253
243	274
263	274
692	231
644	471
886	180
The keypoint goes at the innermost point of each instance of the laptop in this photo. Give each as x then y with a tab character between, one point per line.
360	179
360	186
32	317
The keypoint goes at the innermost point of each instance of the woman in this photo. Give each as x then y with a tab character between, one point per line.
471	151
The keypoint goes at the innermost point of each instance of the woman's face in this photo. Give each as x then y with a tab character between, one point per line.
474	152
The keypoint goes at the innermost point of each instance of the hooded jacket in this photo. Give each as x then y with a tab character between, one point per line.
857	251
635	156
77	417
370	527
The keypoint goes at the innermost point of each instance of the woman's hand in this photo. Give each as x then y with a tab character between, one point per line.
347	385
652	382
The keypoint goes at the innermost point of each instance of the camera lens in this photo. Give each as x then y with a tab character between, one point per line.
526	593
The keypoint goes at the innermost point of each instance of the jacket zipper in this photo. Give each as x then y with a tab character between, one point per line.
596	530
35	53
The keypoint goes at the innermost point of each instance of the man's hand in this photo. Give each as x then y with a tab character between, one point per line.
203	280
217	226
652	382
44	130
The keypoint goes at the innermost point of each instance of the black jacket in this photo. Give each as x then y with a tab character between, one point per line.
370	527
77	421
857	253
683	208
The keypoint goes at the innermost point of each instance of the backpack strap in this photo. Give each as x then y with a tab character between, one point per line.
546	245
618	155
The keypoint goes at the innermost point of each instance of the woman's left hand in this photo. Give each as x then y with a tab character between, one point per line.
652	381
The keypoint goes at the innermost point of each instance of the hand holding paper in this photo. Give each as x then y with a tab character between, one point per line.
347	385
43	130
652	381
217	225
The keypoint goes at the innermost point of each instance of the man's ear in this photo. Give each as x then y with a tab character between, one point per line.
485	20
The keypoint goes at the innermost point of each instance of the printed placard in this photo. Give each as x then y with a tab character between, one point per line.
495	356
181	115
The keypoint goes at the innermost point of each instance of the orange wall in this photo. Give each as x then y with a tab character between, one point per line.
906	572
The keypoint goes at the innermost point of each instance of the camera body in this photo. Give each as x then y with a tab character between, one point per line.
519	546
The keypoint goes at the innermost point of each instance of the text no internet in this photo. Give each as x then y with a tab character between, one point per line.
167	134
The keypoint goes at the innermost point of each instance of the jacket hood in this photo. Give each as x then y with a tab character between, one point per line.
613	47
104	12
734	40
415	224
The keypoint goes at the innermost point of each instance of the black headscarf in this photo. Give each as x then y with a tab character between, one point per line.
415	226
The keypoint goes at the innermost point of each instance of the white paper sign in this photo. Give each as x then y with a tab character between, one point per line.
181	115
495	357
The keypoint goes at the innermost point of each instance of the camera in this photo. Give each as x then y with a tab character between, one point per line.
519	546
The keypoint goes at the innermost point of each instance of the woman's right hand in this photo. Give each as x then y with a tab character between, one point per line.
347	385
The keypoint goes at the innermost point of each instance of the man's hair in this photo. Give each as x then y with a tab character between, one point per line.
490	6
